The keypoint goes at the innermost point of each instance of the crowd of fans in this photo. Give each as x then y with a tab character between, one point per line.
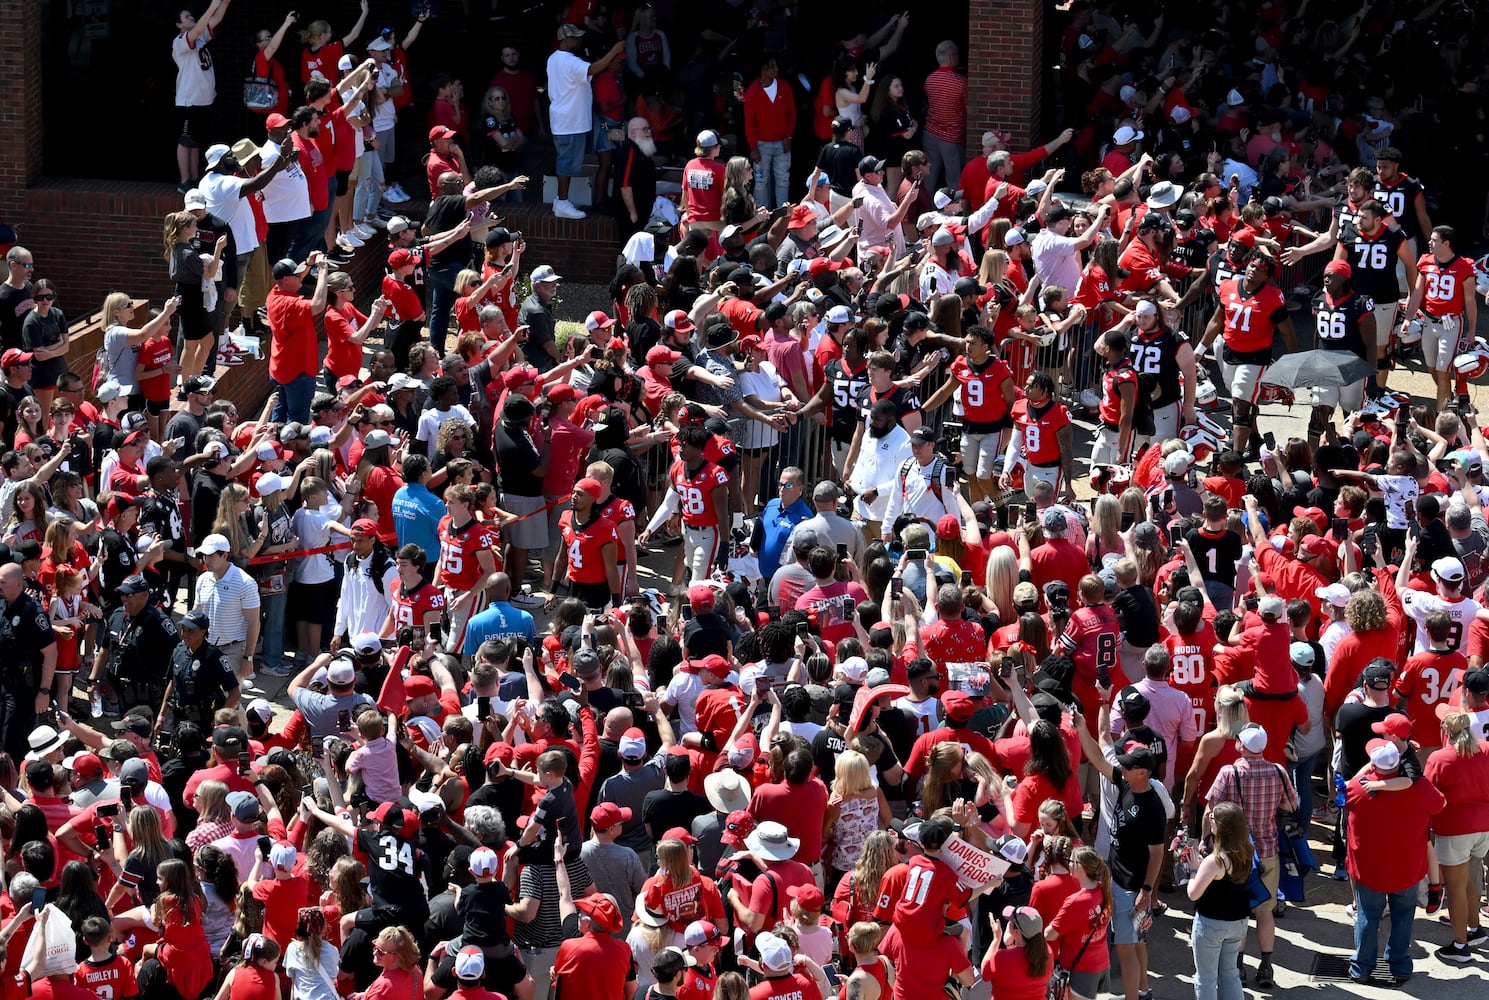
909	715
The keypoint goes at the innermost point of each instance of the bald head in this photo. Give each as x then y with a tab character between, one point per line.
501	587
12	581
449	182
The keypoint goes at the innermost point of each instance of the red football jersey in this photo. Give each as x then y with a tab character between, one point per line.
585	543
1193	660
1041	433
1446	284
695	492
410	609
1112	380
931	894
981	392
1427	680
112	980
718	448
1250	317
459	569
618	510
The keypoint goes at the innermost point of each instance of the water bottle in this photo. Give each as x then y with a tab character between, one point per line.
95	704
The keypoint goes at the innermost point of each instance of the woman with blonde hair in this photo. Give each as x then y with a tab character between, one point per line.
1106	530
397	953
322	51
138	876
121	342
1222	906
234	505
739	200
1077	935
214	820
1002	577
1460	770
856	809
189	275
504	143
471	294
679	891
1217	748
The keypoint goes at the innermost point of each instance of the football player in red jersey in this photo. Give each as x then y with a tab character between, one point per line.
985	393
621	513
1043	438
467	561
1119	389
588	555
414	602
1250	313
1445	298
700	491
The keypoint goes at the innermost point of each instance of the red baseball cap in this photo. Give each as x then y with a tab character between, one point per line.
608	814
737	826
1396	726
959	705
400	258
499	751
276	120
562	393
441	132
1315	514
801	217
418	686
364	526
821	265
808	895
661	355
602	910
700	595
678	833
598	320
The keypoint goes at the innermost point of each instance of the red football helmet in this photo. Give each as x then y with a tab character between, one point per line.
1274	394
1111	479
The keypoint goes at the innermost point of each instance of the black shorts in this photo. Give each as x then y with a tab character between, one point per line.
155	407
594	595
309	602
343	183
193	120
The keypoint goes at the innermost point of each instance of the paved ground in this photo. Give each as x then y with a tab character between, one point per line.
1319	927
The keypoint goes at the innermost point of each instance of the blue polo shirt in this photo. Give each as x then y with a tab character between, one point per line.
416	517
499	621
774	529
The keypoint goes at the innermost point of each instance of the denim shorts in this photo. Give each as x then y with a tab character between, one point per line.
570	150
601	133
1124	904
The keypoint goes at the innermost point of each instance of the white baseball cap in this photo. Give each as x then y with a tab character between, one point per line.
1126	134
775	953
470	963
213	543
1253	737
1384	755
341	672
483	861
1336	594
1448	569
283	855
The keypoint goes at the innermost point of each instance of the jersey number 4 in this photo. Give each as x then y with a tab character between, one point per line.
395	856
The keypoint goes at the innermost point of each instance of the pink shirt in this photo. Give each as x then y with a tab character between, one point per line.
378	762
784	351
1171	716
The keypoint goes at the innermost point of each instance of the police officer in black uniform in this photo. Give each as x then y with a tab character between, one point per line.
201	679
1343	320
118	559
135	647
28	660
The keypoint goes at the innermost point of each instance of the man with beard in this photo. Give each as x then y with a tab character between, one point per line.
636	175
879	459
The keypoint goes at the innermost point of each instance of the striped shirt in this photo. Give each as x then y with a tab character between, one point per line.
946	104
224	600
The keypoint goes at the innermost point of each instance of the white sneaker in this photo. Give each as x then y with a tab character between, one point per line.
373	222
351	239
364	231
566	210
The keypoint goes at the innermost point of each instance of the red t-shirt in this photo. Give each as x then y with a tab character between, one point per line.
1387	833
110	980
1082	913
795	986
703	181
1464	782
959	641
155	352
698	900
593	966
1034	789
282	899
313	162
292	350
787	874
1051	892
1007	970
921	971
322	61
404	302
799	808
342	356
382	483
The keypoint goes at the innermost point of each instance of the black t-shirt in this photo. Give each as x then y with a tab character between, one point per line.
445	213
706	635
483	907
15	303
444	924
1137	613
827	745
185	426
556	811
839	160
206	491
661	810
1150	738
160	514
356	958
1140	822
394	866
643	335
1216	554
516	457
505	796
1353	723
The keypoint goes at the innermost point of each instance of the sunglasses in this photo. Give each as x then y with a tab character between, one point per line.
44	298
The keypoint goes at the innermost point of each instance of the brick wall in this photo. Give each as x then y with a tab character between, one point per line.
1005	65
20	111
584	251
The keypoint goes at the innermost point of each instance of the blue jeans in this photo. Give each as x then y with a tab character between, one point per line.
1302	775
774	166
441	301
1216	945
272	635
294	399
1370	906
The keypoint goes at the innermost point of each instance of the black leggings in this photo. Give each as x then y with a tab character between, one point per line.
153	983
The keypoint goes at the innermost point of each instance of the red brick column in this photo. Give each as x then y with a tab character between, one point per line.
20	108
1005	42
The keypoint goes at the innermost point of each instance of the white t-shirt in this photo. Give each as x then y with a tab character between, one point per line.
311	528
287	198
225	199
927	714
384	115
1397	490
571	102
431	420
1419	604
196	80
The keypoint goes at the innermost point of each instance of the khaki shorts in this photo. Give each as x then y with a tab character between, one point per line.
1460	848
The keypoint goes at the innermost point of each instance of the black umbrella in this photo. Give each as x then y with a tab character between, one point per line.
1317	370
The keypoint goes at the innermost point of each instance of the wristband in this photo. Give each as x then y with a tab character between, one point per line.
1147	887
